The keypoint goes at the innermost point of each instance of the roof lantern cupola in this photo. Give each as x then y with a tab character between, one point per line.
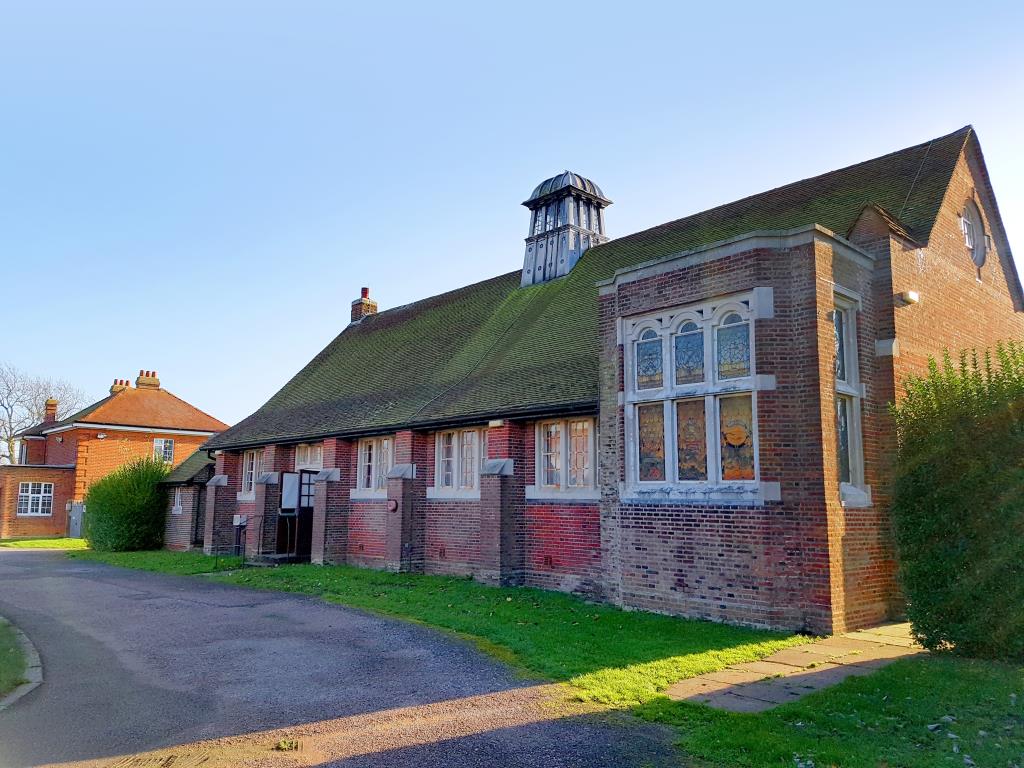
566	218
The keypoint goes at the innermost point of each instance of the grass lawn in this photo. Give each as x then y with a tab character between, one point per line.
45	543
878	721
162	561
626	659
12	660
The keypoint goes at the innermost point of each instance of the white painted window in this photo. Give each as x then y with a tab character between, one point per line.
35	499
176	507
974	233
690	401
163	449
849	396
309	456
565	458
457	462
252	468
376	458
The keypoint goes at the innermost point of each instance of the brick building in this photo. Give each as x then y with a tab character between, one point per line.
690	419
186	501
60	459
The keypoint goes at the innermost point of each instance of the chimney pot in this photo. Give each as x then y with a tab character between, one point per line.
363	306
147	380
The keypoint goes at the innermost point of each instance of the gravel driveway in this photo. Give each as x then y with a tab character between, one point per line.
135	662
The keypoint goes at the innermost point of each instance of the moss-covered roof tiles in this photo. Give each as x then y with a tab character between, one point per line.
497	349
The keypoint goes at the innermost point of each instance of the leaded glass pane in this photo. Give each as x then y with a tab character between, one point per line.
733	349
467	466
366	474
383	462
691	440
839	325
843	433
648	361
551	455
689	355
579	454
448	459
736	424
651	443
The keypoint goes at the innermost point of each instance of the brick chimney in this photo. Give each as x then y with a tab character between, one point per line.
363	306
119	385
147	380
50	411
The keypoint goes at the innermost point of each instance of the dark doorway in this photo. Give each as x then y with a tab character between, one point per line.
295	525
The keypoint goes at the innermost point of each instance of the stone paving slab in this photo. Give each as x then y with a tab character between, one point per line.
794	672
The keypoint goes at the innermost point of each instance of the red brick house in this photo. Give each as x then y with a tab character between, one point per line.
61	459
690	419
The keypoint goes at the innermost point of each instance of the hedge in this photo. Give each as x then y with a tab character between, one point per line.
125	510
958	510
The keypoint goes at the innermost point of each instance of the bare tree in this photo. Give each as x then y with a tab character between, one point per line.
23	403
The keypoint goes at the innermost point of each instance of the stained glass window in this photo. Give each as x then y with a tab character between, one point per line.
733	347
843	435
736	425
689	354
551	455
691	440
648	361
651	443
839	325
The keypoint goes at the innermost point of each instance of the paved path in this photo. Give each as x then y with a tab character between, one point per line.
217	675
794	672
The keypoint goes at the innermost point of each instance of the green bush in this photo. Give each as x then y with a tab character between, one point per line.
958	510
125	510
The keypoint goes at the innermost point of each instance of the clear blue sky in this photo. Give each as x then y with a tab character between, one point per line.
201	188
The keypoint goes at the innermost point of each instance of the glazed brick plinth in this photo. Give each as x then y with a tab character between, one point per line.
563	546
744	565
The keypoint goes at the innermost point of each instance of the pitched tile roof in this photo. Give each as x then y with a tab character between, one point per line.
139	407
189	468
497	349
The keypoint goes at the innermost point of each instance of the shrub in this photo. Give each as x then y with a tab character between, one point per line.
125	510
958	510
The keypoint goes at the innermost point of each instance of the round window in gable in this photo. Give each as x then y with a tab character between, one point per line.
974	233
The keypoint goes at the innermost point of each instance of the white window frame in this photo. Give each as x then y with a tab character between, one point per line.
160	445
376	454
176	506
973	228
34	502
562	490
309	456
854	493
463	465
709	317
251	468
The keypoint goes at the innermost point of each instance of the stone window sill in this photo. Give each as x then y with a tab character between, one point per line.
246	496
453	494
367	494
541	493
854	497
743	494
175	510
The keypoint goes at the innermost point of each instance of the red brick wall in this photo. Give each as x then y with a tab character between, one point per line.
366	533
452	528
98	458
563	546
767	564
11	525
179	528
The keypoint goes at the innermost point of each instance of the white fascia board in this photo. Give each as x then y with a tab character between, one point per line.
122	428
